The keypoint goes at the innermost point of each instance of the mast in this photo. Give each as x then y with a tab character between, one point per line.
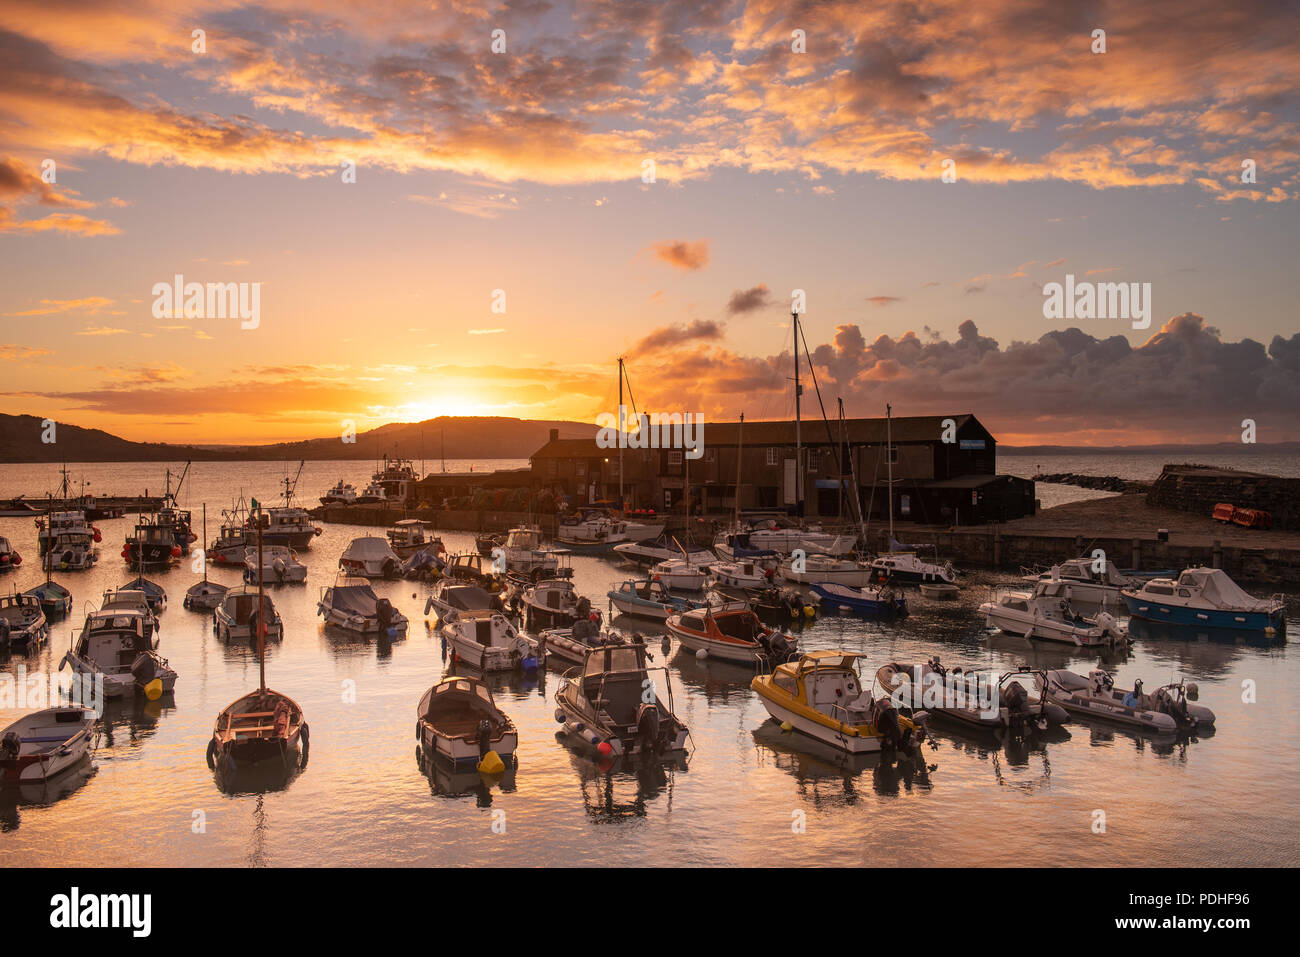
740	447
839	479
204	544
798	443
622	440
261	610
889	465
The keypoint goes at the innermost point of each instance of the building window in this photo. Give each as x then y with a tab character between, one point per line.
893	455
580	469
710	455
814	460
772	456
675	457
550	468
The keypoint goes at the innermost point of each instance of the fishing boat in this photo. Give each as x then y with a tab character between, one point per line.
941	591
9	557
1046	614
397	477
23	625
460	596
370	557
570	645
603	704
680	574
151	543
204	595
972	698
1206	597
822	695
489	642
275	565
874	601
647	598
263	725
235	618
55	600
665	547
411	535
459	721
1092	581
133	601
70	551
351	604
474	569
343	493
41	745
287	524
57	530
114	643
827	569
731	632
590	533
554	603
742	574
1165	711
233	541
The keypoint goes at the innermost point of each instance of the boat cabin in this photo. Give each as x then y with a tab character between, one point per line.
828	682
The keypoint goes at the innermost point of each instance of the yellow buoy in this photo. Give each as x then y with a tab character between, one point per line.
491	764
153	690
786	726
809	611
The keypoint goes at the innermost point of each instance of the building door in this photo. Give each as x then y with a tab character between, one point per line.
791	482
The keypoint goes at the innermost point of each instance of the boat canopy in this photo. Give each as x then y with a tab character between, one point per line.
614	659
369	550
1219	589
354	600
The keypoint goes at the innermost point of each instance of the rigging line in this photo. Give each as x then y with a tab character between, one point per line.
839	468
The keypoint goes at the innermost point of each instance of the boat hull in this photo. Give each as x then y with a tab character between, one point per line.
814	728
298	539
1140	607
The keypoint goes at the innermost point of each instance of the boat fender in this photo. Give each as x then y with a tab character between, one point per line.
702	654
604	749
212	754
787	726
491	763
98	537
559	716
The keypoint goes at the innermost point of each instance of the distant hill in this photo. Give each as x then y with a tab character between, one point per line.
469	437
1217	448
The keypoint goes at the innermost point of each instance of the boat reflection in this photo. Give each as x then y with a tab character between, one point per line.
447	781
615	790
42	793
263	777
126	723
346	643
813	764
720	681
1017	750
1046	656
1203	652
516	684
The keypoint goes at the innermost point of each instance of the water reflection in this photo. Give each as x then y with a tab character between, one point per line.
42	793
827	775
618	790
448	781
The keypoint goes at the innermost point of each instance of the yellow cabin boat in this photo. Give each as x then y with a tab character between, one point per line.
822	696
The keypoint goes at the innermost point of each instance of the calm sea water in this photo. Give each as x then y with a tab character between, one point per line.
1225	799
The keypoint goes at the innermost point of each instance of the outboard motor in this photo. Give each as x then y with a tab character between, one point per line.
583	610
484	737
384	613
10	746
780	647
885	718
1016	699
647	727
4	631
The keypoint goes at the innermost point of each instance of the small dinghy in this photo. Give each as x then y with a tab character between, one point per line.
459	722
351	604
236	615
1208	598
489	642
822	695
42	744
1047	615
370	558
570	645
204	596
731	632
1166	711
113	643
647	598
604	705
972	698
872	601
23	625
55	600
278	563
154	593
940	592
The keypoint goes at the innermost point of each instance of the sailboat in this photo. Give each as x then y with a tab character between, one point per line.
205	595
900	564
264	725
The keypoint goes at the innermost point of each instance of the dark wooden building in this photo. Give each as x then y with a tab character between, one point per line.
943	466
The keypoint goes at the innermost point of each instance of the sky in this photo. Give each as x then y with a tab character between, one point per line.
475	209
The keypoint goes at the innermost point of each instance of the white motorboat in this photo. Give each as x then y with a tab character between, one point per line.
647	598
972	698
370	557
731	632
1166	711
604	704
570	645
590	533
1091	581
826	569
553	603
1208	598
233	618
768	535
343	493
113	643
490	642
42	744
23	625
525	554
742	574
410	535
651	551
290	526
462	597
70	551
136	601
680	574
459	722
372	494
53	524
280	566
906	568
351	604
1046	614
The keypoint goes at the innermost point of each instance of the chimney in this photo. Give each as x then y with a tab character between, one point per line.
555	434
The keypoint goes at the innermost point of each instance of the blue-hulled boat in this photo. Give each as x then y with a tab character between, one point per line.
876	602
647	598
56	601
1208	598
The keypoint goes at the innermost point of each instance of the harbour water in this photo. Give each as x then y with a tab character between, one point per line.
1228	798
